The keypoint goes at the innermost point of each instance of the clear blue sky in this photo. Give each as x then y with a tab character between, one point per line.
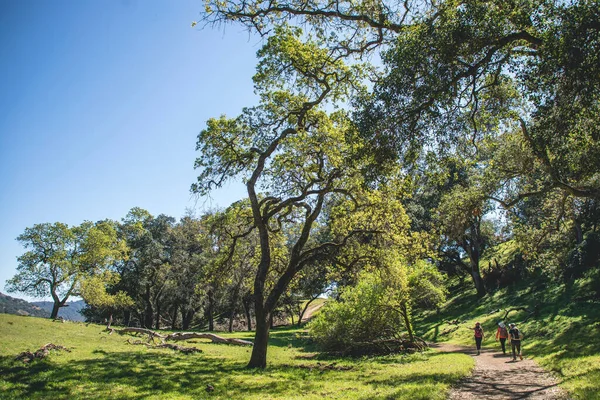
100	105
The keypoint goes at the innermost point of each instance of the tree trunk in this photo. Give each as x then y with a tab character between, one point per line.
186	318
209	311
246	302
472	248
55	308
406	317
175	312
157	325
258	359
126	317
231	317
477	280
57	304
157	300
234	300
148	311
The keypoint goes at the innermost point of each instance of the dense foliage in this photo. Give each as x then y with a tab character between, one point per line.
471	148
375	315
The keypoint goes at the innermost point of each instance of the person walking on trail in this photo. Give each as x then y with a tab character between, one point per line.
515	341
478	336
502	334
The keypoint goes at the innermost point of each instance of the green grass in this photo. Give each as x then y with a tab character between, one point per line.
103	366
564	335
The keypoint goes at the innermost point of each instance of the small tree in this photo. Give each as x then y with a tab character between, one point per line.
94	292
59	257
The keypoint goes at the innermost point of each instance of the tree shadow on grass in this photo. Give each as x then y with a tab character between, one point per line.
412	386
134	375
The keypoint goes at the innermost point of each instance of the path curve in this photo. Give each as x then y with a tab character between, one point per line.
497	376
310	311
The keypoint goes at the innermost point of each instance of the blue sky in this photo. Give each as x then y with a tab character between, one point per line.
100	106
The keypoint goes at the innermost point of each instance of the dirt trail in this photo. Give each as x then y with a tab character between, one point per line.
497	376
311	310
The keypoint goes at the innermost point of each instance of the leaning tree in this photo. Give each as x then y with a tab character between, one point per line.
297	160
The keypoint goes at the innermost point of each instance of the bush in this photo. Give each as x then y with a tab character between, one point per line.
375	315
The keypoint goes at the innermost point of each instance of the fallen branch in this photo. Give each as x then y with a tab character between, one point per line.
214	338
531	312
449	331
176	347
139	342
41	353
182	336
143	331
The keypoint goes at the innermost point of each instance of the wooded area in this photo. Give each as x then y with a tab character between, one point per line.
471	150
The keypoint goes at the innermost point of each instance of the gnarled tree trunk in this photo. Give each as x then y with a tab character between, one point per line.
258	359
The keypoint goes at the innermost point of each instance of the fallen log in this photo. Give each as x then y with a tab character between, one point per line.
214	338
182	336
151	334
41	353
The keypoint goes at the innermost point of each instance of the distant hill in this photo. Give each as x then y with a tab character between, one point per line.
71	312
11	305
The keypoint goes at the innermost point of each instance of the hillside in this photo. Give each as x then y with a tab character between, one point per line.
11	305
560	324
70	312
103	366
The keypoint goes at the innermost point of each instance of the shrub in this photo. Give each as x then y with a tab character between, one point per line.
375	315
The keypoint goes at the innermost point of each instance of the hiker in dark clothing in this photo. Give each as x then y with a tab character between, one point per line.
515	341
478	336
502	334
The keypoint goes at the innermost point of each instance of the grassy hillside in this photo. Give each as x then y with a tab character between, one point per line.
563	334
70	311
104	366
11	305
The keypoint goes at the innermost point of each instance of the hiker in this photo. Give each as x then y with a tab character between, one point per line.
502	334
515	341
478	336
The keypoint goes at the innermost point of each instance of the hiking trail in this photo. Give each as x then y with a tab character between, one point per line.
497	376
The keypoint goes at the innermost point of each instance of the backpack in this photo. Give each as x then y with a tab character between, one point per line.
515	334
503	332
